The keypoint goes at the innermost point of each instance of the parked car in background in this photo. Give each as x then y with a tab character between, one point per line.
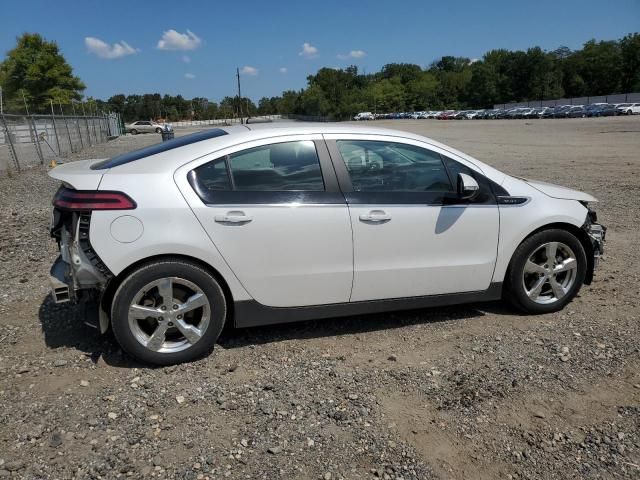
364	116
629	109
143	126
446	115
551	112
560	111
181	238
540	112
600	110
576	111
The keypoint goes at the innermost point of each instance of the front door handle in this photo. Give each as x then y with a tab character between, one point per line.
375	216
233	217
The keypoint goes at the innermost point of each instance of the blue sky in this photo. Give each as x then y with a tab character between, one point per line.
193	47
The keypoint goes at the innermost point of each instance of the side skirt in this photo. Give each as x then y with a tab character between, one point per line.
249	313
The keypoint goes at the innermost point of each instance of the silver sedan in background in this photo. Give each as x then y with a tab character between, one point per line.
143	126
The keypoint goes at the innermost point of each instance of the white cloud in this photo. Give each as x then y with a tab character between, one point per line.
104	50
308	51
186	58
353	54
247	70
172	40
189	76
283	70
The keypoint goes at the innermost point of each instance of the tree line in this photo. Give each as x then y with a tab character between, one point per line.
35	73
500	76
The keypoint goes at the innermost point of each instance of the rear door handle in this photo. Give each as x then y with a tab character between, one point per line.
233	217
375	216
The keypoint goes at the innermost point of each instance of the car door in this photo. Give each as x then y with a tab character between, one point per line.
412	236
275	212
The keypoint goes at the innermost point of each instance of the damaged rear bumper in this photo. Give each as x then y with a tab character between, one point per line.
61	281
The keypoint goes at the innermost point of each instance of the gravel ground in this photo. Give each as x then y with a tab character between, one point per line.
475	391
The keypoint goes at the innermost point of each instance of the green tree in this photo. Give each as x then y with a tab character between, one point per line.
600	66
37	69
630	51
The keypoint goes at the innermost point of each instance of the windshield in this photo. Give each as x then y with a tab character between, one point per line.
158	148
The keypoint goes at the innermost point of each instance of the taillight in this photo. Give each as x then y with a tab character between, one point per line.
83	200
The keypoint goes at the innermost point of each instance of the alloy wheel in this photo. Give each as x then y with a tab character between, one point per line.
169	315
549	272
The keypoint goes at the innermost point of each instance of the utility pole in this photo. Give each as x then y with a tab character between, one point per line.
239	94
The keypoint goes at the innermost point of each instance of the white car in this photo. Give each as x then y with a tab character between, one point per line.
628	109
262	224
364	116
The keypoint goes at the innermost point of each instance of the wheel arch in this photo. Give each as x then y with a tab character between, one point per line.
578	232
109	292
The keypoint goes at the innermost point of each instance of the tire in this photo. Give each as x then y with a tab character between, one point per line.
203	323
158	130
134	132
517	280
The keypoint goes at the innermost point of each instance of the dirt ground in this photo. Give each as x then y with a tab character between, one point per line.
469	392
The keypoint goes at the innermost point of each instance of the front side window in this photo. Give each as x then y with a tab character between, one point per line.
378	166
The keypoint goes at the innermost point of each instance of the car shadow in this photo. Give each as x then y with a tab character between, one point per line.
240	337
65	325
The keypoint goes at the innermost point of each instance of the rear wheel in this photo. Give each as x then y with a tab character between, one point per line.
134	131
546	272
168	312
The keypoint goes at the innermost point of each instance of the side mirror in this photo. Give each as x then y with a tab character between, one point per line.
468	188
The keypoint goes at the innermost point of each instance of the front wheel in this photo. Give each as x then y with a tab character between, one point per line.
158	130
168	312
546	272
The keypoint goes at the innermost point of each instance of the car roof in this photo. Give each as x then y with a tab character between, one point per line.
171	159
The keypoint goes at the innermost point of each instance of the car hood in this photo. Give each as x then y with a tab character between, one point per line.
556	191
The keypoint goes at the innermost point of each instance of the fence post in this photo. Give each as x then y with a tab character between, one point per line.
66	125
86	126
33	133
93	127
77	120
38	146
12	149
55	130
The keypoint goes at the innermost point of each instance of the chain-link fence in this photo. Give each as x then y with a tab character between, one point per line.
28	140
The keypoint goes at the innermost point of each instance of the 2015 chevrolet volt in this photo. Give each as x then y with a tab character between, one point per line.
262	224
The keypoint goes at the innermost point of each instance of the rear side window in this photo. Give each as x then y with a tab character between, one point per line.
280	167
158	148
